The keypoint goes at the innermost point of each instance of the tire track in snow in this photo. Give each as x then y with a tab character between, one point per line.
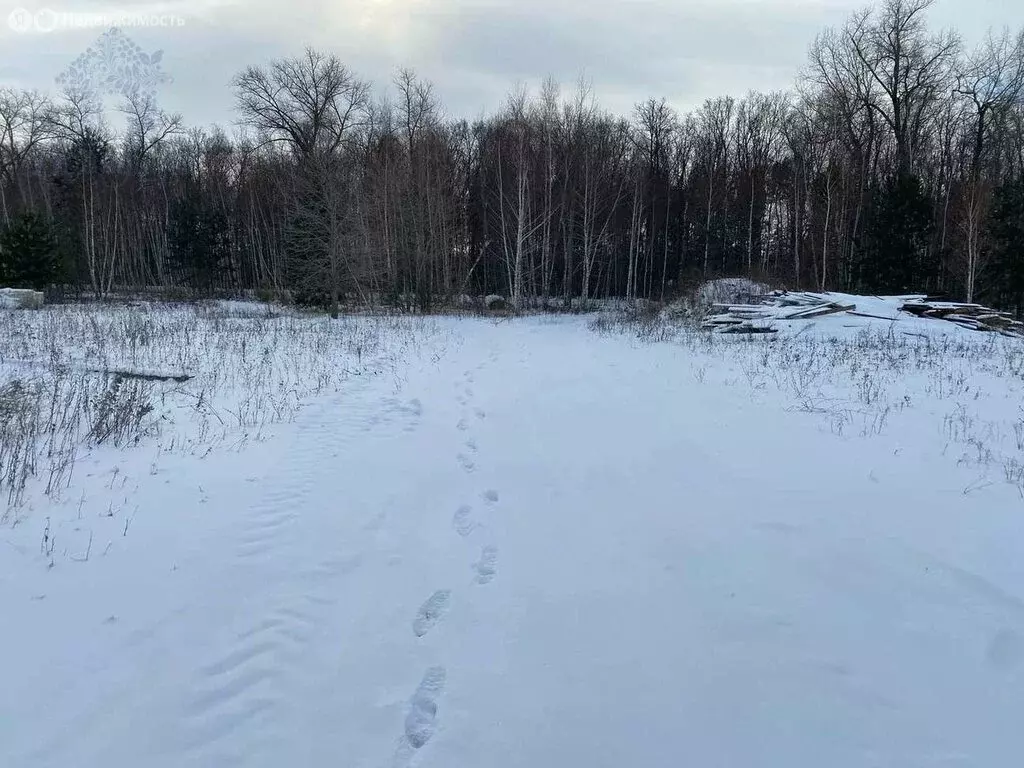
321	436
245	688
241	697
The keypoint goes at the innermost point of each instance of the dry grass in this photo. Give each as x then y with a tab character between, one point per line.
211	373
973	383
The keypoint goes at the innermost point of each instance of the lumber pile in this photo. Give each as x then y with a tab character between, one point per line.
972	316
761	314
779	305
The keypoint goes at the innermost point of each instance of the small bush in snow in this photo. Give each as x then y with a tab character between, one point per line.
118	413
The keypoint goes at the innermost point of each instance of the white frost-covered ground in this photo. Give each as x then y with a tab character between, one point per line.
531	544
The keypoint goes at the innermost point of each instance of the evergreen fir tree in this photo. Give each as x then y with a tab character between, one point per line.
896	252
1006	272
199	241
28	253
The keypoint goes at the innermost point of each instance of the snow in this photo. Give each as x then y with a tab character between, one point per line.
526	543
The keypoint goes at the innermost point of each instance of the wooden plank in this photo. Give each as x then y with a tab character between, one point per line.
749	329
876	317
179	378
733	307
819	311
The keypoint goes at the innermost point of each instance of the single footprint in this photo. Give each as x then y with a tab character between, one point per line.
491	497
1006	649
487	568
471	446
462	521
463	425
420	722
480	414
377	522
469	391
466	463
431	612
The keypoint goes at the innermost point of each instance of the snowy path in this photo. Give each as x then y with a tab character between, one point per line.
523	558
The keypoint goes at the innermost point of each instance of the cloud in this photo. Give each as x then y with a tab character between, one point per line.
684	51
475	51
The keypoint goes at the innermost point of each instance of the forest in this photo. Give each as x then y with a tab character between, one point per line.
894	165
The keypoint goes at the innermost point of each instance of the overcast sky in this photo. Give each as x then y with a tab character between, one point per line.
474	51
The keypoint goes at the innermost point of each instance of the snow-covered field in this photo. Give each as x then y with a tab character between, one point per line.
547	541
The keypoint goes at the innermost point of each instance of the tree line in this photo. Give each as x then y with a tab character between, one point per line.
895	165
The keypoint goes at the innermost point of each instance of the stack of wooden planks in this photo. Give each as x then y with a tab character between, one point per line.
972	316
779	305
761	316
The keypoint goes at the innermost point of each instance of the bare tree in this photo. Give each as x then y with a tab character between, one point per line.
78	121
714	121
992	80
839	76
656	126
909	65
515	180
26	120
759	121
148	125
603	177
310	103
